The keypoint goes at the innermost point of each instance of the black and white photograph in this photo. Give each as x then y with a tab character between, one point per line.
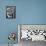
10	12
31	34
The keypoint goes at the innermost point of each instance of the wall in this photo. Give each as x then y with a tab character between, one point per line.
27	12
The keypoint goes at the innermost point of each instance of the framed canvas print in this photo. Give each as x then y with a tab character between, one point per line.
32	32
10	12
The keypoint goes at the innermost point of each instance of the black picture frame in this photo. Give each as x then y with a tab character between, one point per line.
10	12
